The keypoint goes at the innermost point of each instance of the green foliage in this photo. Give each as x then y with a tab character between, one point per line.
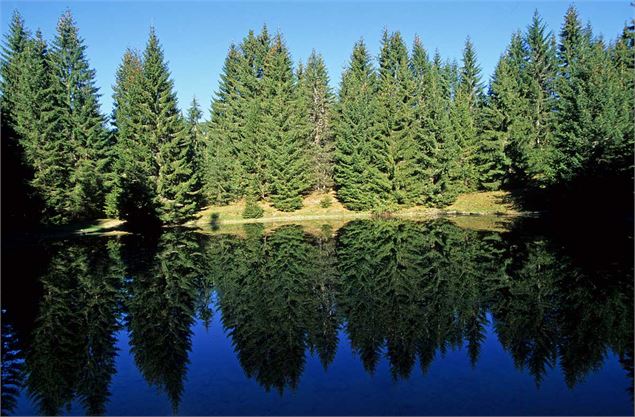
326	201
316	102
557	118
358	178
252	210
284	131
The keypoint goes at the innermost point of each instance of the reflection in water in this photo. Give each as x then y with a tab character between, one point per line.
160	308
409	291
73	351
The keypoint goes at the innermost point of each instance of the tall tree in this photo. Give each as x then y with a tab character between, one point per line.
395	146
316	105
131	190
81	126
284	131
358	178
176	185
425	93
222	167
505	119
465	114
540	73
446	169
24	78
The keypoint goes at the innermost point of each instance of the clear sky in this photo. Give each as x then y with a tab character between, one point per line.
196	35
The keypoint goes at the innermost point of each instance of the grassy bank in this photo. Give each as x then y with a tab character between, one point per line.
482	203
484	210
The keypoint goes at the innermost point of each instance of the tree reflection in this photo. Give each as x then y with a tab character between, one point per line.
73	348
161	311
401	290
12	367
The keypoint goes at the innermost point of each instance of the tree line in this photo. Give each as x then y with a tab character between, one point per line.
402	291
403	129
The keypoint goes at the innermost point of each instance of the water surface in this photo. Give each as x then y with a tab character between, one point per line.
375	317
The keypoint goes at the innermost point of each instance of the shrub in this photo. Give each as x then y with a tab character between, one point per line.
252	210
326	201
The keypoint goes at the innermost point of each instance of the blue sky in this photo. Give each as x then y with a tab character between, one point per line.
196	35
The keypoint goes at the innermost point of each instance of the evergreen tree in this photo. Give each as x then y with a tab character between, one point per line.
284	130
164	131
505	121
540	76
197	134
572	116
70	174
446	169
24	79
222	167
357	176
395	146
425	91
316	107
252	146
465	115
132	191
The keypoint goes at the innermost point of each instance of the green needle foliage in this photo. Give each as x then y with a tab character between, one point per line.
555	123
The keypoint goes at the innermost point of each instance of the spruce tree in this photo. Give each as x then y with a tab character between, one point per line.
252	146
72	158
284	131
18	62
572	117
540	73
316	105
358	179
425	89
177	184
447	177
131	190
196	131
222	166
395	146
465	114
505	120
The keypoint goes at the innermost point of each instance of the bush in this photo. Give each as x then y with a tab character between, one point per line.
383	210
326	201
252	210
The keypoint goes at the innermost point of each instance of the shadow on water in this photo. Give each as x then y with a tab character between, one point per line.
408	291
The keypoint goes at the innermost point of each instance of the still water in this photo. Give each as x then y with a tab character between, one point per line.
369	317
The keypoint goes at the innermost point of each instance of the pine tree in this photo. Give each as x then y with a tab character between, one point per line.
505	120
284	131
539	77
252	145
222	167
196	131
316	107
395	146
424	97
357	176
19	63
177	185
72	157
131	190
447	170
465	114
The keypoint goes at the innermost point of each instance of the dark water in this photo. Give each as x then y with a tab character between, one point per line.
378	317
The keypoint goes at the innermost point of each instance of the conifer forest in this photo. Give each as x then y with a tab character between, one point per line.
553	124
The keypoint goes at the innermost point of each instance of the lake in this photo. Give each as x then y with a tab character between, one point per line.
365	317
